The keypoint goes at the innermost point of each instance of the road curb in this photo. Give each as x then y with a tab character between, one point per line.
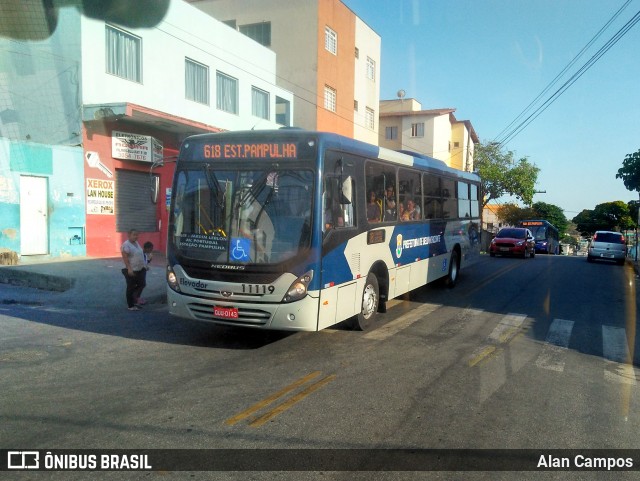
24	278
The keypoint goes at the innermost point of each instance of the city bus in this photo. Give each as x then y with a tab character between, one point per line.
546	236
269	229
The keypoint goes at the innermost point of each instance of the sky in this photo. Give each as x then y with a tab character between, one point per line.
489	59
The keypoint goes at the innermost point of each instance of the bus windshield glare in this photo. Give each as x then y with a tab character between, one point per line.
241	216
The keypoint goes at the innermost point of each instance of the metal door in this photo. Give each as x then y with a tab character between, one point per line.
34	223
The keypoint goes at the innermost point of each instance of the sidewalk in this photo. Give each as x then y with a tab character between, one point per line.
89	281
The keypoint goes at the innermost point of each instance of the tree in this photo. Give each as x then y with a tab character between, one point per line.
630	171
502	175
585	223
553	214
607	216
511	214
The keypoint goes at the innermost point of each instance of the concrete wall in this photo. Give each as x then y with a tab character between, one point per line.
40	86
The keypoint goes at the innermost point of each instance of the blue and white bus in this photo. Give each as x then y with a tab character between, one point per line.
270	229
546	236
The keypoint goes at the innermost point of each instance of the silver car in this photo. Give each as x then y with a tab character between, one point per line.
607	245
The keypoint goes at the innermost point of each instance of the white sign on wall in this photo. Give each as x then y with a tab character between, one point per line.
100	197
143	148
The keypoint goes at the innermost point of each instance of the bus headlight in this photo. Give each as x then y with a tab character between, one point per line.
299	288
172	280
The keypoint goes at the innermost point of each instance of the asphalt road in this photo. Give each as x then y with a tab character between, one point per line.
524	353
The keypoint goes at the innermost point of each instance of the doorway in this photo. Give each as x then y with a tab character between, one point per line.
34	216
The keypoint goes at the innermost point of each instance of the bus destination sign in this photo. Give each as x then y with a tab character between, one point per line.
534	222
251	150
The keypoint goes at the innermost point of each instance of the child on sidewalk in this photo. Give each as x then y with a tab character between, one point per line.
147	250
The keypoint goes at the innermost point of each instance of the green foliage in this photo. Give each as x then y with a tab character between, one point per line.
551	213
630	171
512	214
607	216
567	239
501	174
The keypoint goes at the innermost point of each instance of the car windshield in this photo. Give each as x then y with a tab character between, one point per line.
512	233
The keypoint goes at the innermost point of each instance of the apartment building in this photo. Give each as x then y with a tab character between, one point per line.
326	55
93	116
404	125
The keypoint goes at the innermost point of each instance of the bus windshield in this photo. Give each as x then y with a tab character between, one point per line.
241	216
539	233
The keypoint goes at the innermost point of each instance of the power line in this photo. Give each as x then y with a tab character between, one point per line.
610	43
564	70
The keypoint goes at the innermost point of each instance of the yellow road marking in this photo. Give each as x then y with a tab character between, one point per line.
265	402
491	278
484	353
290	402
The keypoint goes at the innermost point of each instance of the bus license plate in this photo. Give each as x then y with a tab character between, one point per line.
225	312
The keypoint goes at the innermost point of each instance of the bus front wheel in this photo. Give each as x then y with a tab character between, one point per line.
369	307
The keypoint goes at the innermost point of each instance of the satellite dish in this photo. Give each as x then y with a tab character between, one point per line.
401	93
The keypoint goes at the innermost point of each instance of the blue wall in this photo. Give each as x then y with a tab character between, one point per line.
63	168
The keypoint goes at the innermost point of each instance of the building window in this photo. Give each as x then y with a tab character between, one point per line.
226	93
259	103
283	112
124	54
370	119
417	130
371	69
196	81
330	97
331	40
260	32
391	133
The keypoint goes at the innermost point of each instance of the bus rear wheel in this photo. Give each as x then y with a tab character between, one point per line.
369	306
454	269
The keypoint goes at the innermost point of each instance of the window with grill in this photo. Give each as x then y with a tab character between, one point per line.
370	118
371	69
330	98
124	54
196	80
331	40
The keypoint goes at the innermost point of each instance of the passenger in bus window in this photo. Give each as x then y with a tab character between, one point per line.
390	211
374	211
403	214
413	211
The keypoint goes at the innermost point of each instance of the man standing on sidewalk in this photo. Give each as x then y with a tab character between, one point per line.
133	257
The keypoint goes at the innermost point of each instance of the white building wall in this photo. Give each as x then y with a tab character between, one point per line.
366	91
422	145
184	32
441	131
294	36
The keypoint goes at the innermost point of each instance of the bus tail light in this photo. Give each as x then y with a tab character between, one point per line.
299	288
172	280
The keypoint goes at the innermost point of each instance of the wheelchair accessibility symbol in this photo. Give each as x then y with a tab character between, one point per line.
241	248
